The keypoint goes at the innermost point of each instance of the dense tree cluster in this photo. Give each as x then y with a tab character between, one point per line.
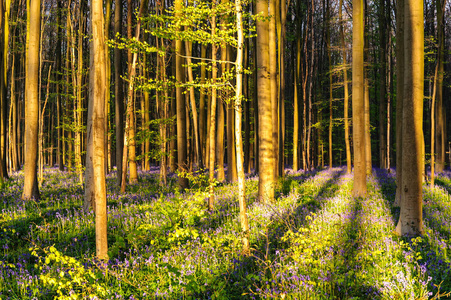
233	87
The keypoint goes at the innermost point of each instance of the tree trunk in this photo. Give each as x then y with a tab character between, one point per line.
411	215
129	141
130	130
202	108
108	141
31	189
265	124
358	98
118	91
181	110
188	50
212	131
95	193
439	111
273	84
330	84
382	86
239	142
399	97
346	93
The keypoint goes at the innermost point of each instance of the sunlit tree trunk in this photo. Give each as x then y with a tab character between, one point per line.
358	98
181	110
129	140
203	108
95	193
32	102
192	97
130	114
212	131
411	215
239	142
265	130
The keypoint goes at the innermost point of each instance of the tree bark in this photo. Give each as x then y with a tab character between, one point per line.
212	131
265	124
358	98
346	87
129	141
239	142
31	189
399	97
411	215
439	111
95	192
118	91
181	110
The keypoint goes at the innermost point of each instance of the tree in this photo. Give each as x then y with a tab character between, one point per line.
439	111
411	215
265	124
346	93
129	141
181	110
358	98
239	141
212	130
118	92
31	189
399	97
95	193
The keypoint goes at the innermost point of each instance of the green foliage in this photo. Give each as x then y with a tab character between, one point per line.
66	276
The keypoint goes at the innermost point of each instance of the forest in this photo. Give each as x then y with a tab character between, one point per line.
206	149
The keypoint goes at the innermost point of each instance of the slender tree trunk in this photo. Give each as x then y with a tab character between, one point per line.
382	86
108	141
4	87
439	111
239	144
330	84
188	50
281	52
130	130
129	141
358	98
202	108
399	97
433	124
181	110
346	93
273	84
58	88
212	131
31	189
118	91
411	215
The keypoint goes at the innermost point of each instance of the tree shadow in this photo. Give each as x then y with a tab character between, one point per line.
245	274
387	183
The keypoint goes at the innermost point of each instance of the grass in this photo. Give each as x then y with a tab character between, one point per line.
315	241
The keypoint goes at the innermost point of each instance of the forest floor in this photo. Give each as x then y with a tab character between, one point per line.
315	241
